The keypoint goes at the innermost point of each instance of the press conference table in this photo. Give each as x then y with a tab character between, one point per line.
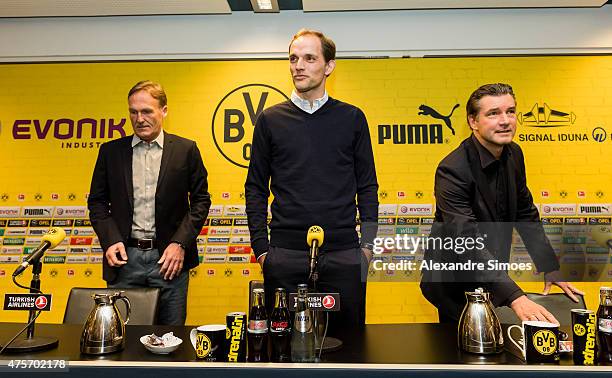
390	350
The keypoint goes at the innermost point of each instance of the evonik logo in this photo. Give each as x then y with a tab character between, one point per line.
67	128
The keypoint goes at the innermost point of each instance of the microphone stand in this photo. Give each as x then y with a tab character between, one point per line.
33	343
323	343
313	274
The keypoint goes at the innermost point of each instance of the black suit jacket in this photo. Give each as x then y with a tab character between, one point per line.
465	207
181	198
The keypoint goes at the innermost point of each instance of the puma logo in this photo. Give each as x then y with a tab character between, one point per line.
428	111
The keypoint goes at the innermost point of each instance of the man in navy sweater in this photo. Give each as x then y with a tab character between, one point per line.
314	153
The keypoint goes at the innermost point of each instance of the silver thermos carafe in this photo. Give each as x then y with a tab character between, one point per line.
479	330
104	329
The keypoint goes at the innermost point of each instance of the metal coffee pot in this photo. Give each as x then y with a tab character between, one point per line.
104	329
479	330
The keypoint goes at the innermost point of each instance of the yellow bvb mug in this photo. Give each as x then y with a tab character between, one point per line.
209	342
540	341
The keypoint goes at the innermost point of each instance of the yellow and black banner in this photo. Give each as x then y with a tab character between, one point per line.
53	118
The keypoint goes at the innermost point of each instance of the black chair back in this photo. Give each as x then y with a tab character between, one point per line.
143	303
558	304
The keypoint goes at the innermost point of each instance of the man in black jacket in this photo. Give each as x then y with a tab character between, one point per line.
314	153
481	192
148	201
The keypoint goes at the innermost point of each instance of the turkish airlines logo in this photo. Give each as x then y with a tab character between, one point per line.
27	302
234	120
41	302
328	302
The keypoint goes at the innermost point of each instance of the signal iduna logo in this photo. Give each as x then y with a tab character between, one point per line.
234	120
544	116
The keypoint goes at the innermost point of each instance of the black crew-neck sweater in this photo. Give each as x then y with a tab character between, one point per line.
316	166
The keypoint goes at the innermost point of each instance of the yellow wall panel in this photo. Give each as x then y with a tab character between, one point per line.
570	167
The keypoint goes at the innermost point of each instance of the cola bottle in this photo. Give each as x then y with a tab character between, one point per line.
302	336
257	332
604	329
280	328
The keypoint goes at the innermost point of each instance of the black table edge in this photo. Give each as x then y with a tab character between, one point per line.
333	366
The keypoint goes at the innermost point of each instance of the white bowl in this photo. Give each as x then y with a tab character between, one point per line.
165	349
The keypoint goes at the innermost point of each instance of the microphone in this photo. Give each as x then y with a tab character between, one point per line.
314	238
50	240
602	235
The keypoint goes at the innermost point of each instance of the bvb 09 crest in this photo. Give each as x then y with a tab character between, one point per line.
234	120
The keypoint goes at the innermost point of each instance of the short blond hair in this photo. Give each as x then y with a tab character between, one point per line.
327	45
154	89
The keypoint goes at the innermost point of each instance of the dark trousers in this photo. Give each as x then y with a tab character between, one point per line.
341	271
142	270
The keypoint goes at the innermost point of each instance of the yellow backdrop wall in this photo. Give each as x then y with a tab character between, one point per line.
54	116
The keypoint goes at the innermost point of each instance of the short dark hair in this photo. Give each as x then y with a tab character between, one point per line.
154	89
327	45
472	108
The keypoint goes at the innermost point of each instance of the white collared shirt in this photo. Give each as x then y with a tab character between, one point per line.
146	162
305	104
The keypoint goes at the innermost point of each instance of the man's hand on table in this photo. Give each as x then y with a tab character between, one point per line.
526	309
555	278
